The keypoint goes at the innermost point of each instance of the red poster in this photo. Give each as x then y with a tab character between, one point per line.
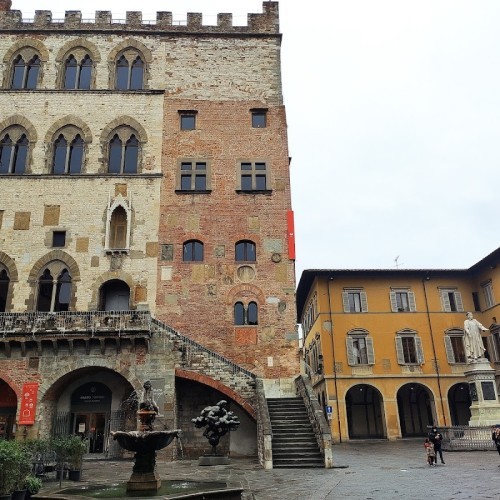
28	404
291	235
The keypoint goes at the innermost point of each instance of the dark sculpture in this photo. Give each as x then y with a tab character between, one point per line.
144	442
218	422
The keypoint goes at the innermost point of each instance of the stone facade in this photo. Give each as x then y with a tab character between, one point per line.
96	288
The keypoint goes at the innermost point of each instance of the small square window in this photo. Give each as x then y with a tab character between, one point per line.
188	122
259	118
59	239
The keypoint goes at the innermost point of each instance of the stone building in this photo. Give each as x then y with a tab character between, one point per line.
146	230
385	349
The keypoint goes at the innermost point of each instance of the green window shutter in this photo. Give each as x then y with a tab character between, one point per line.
419	350
458	299
350	354
449	349
369	351
399	350
345	301
364	302
394	304
411	301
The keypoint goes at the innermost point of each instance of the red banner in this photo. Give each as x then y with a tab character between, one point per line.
291	235
28	404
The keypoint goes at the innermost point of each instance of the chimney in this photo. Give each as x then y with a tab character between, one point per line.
5	5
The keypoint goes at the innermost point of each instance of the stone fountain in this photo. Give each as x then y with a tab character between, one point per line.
144	442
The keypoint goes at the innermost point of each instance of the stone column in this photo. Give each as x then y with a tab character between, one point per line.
485	407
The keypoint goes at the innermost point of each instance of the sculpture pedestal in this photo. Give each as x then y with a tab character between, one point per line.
485	407
149	481
213	460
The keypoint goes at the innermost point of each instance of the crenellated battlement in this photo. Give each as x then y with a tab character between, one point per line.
265	23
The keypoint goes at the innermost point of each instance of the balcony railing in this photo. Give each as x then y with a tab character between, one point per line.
66	323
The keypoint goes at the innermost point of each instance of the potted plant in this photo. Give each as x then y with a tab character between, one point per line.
77	447
8	467
32	485
24	459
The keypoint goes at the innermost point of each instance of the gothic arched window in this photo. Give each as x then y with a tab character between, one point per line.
25	71
13	151
78	73
68	152
124	150
54	290
129	71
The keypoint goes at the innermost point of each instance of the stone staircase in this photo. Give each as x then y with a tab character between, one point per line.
294	442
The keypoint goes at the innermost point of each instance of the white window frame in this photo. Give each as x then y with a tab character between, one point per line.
419	353
445	299
362	298
412	307
119	201
448	344
353	337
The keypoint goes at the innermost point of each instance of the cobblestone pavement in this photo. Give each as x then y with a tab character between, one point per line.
373	470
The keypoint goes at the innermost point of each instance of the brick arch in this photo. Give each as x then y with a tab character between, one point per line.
121	121
15	387
215	384
22	122
75	43
65	121
108	276
51	388
130	43
237	290
73	269
26	42
10	265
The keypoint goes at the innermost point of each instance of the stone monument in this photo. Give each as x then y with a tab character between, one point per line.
485	407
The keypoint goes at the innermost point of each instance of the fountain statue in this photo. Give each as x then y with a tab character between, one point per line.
218	421
145	441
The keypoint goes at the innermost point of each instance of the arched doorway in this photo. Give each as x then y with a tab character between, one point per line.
90	410
8	409
364	412
459	402
415	407
88	402
115	296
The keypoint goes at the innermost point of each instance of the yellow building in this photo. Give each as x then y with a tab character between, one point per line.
384	348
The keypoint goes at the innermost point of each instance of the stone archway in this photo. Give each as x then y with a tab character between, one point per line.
416	409
365	412
459	402
8	410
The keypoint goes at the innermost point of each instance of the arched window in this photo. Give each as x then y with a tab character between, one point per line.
129	71
192	251
246	314
54	290
77	74
118	229
4	289
123	152
245	251
239	313
115	296
68	153
13	151
25	71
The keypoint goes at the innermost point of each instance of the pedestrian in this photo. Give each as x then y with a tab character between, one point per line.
436	439
429	449
495	435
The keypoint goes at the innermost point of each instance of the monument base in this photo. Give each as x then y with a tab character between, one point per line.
485	407
149	481
213	460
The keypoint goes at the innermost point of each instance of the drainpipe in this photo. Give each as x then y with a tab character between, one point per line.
427	278
330	278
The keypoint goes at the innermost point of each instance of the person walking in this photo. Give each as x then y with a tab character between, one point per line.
436	439
429	449
495	435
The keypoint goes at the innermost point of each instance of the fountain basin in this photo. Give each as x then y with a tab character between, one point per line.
144	442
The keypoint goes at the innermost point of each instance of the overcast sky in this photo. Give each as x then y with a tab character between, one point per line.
393	110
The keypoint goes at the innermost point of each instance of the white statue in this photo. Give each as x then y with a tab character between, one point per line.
474	348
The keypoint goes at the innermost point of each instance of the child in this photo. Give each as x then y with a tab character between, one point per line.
431	454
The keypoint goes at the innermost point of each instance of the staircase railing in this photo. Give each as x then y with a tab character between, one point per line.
317	419
264	428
